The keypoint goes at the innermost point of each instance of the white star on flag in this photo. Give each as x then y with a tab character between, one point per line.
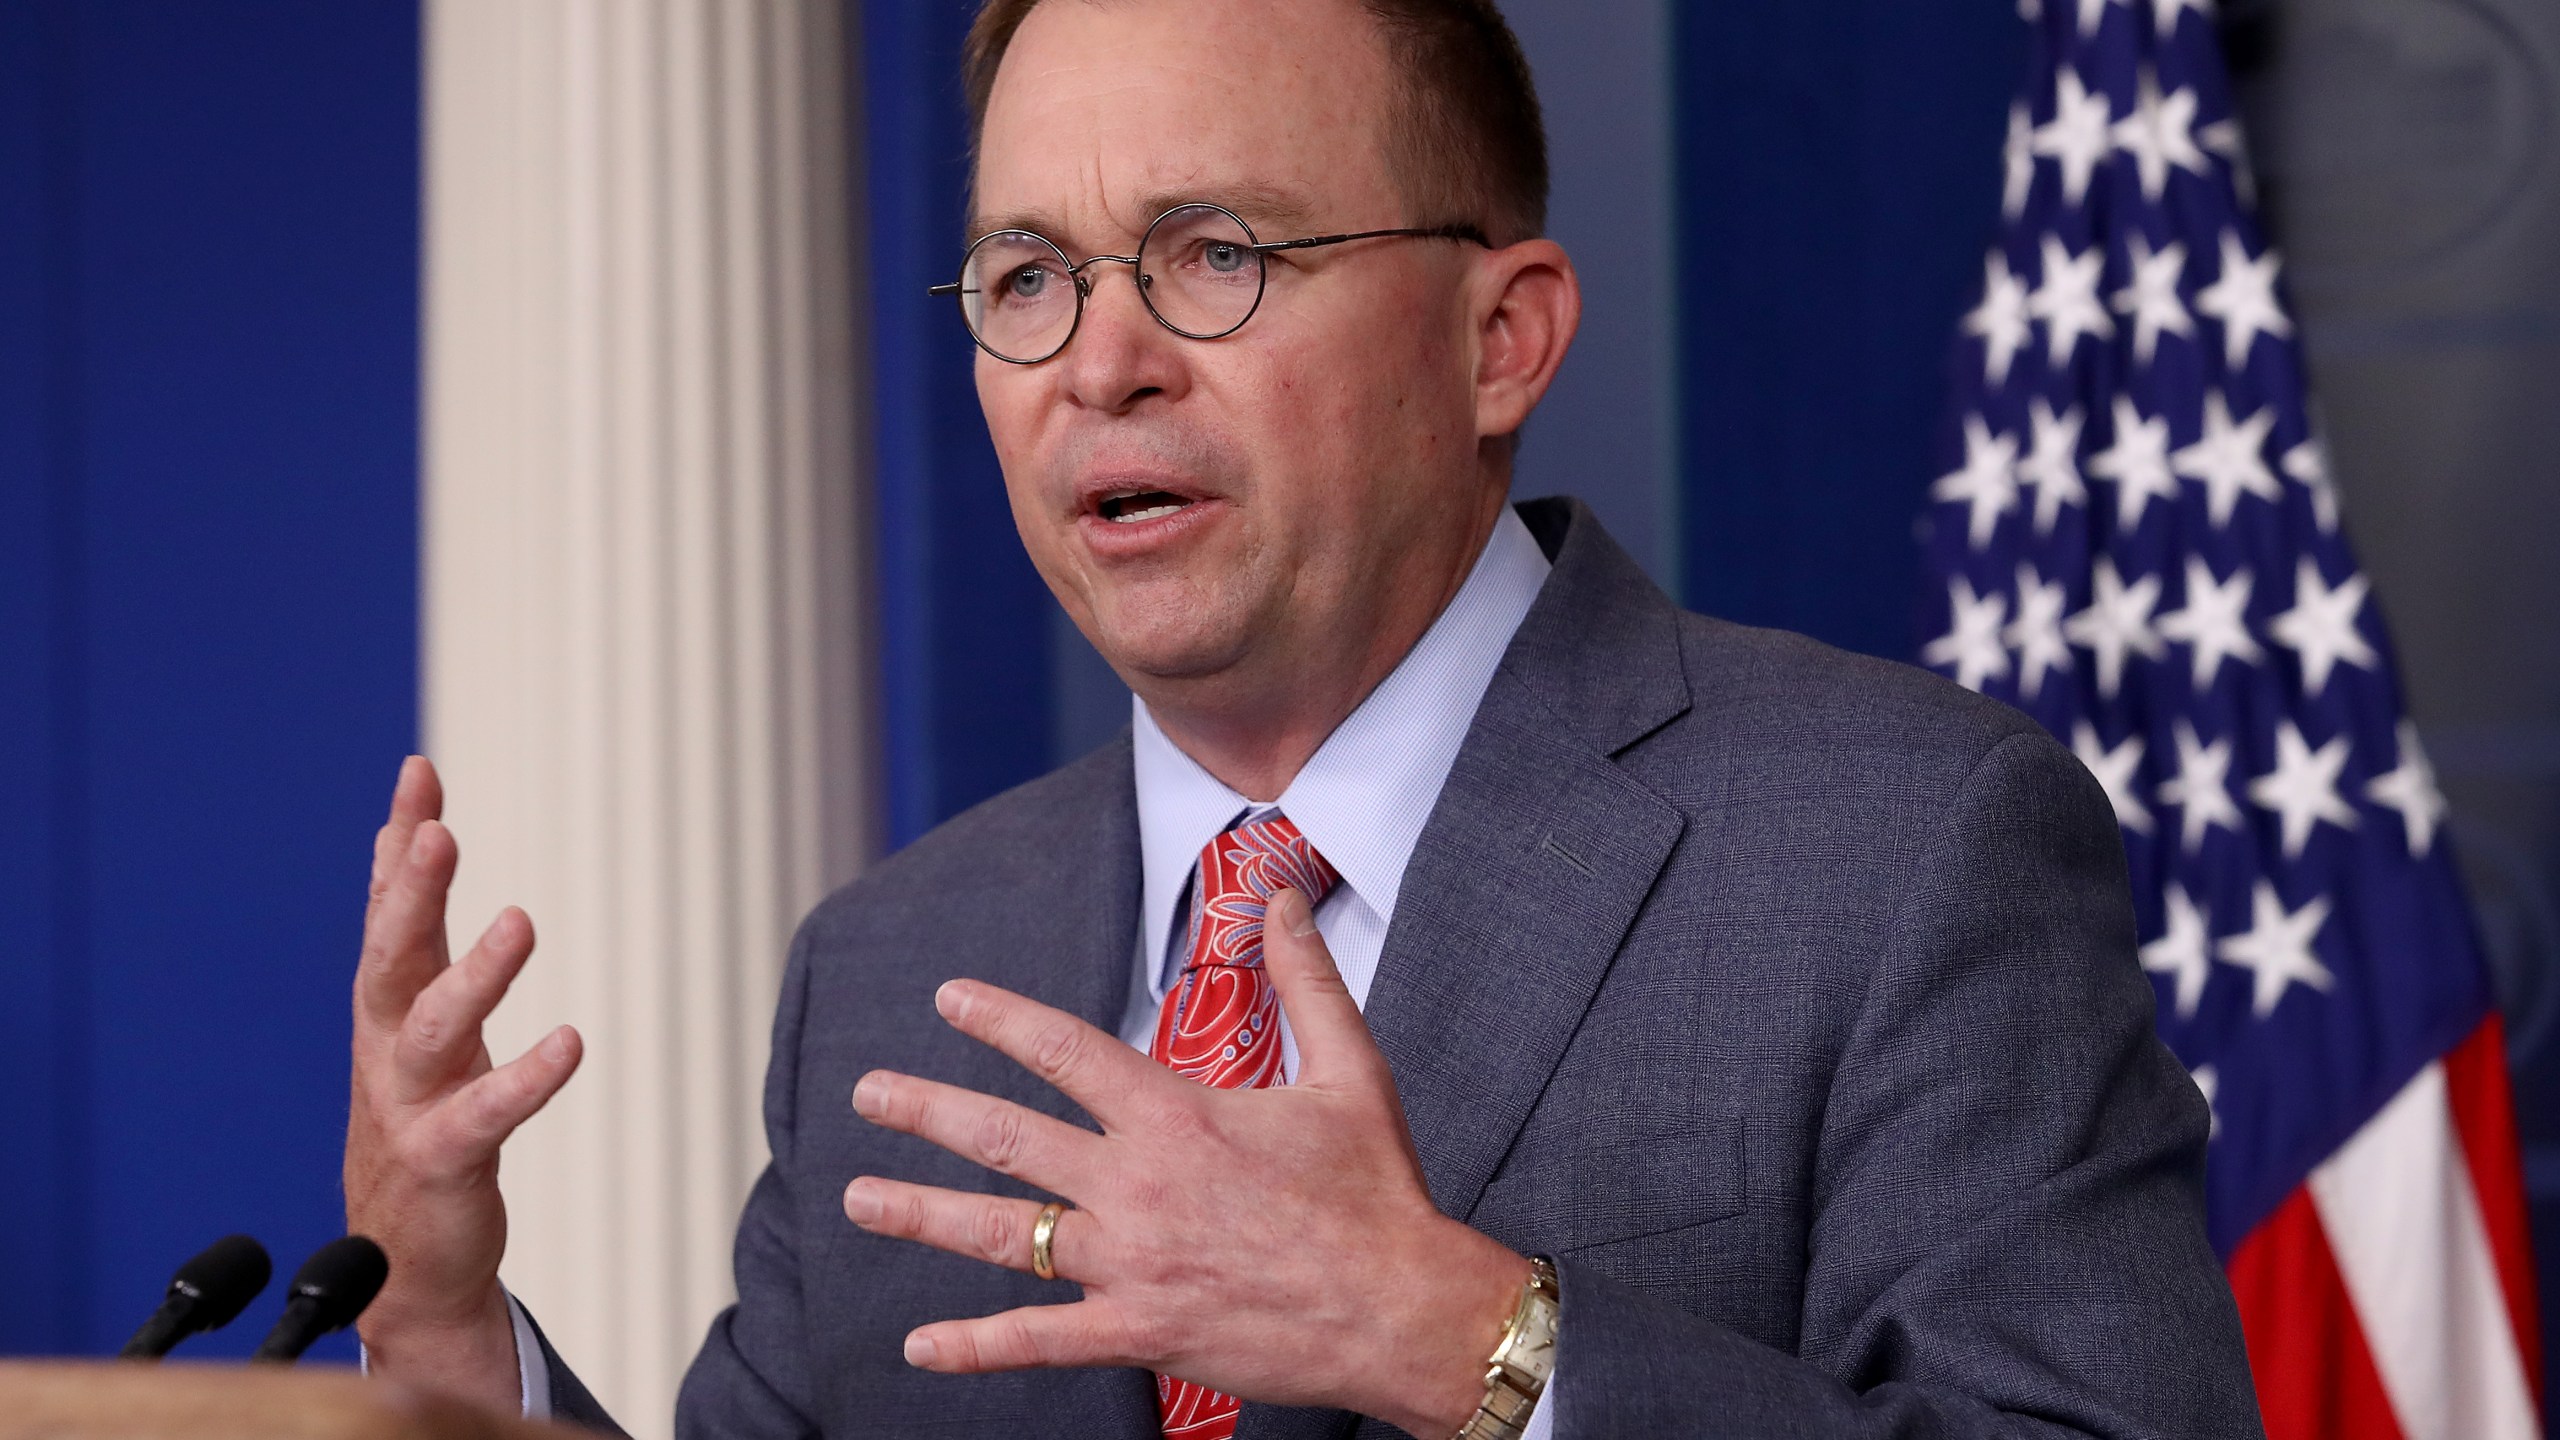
2066	300
2227	458
2169	10
2052	465
2223	138
2076	137
2180	952
2321	626
2276	949
2201	789
2303	788
2001	318
2152	299
2158	134
1972	642
2211	1084
2244	300
2115	771
2215	620
2308	464
2037	632
2017	162
2117	623
2138	463
1988	482
2411	790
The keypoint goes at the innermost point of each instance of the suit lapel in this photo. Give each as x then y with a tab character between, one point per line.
1534	866
1105	898
1098	906
1538	856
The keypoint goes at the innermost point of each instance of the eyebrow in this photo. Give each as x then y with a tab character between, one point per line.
1280	207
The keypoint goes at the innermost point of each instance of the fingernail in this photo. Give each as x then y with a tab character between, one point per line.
1299	917
951	1000
861	1204
920	1350
866	1094
555	1046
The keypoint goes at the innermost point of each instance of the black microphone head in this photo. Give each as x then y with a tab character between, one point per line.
222	1280
342	1277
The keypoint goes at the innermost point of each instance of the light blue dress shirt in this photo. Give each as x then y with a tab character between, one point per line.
1361	800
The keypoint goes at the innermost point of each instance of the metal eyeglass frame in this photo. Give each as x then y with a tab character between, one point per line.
1258	249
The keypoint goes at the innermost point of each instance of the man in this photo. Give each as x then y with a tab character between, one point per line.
1455	908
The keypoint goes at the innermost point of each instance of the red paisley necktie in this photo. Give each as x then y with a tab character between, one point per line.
1221	1024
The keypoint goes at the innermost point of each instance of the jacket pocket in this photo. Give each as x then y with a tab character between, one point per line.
1644	1167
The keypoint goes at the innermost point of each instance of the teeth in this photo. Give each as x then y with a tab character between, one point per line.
1152	512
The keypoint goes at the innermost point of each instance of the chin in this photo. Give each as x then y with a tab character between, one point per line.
1170	638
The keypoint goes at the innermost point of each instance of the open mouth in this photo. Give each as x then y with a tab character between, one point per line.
1136	507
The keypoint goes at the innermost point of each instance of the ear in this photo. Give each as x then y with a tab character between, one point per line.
1529	303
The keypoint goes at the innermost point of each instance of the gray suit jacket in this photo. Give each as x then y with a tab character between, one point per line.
1787	998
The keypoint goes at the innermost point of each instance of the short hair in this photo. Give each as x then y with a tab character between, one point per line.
1468	146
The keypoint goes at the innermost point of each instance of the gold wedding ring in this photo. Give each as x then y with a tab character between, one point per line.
1042	1231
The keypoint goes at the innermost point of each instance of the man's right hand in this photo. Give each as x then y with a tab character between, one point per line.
427	1112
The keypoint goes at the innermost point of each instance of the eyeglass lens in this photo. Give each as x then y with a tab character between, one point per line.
1197	271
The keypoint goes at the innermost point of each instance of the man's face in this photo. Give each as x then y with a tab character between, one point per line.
1291	495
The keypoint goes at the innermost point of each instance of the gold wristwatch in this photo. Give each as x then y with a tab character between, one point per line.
1517	1374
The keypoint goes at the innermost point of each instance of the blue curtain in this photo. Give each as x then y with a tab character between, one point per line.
208	412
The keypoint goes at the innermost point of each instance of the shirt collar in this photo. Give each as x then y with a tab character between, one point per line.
1364	796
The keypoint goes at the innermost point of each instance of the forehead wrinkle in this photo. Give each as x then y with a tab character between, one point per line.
1282	206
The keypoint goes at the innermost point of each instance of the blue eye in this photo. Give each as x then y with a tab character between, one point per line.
1226	257
1027	282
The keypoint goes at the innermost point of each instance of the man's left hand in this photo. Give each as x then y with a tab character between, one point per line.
1279	1244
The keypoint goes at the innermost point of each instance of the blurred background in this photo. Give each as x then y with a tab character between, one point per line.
549	384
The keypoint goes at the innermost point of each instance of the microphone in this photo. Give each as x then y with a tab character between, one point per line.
329	1292
207	1293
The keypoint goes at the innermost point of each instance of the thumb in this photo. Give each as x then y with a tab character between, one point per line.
1333	1041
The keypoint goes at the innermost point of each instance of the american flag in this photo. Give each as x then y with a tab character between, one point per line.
2136	541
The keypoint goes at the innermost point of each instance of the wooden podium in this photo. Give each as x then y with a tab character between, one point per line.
120	1400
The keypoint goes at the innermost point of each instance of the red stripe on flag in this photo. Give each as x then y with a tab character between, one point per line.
2315	1377
2484	1114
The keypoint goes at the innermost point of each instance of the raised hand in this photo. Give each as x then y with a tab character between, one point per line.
1276	1244
427	1111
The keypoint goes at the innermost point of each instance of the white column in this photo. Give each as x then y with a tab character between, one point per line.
643	636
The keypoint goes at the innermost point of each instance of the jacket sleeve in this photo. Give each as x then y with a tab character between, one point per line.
2006	1234
570	1402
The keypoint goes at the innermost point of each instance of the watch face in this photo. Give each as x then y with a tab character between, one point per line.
1533	1346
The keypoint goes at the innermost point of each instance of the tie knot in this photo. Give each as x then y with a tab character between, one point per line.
1239	872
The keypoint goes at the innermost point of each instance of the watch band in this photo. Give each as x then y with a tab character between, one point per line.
1515	1376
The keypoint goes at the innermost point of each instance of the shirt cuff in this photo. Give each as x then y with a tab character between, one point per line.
533	1373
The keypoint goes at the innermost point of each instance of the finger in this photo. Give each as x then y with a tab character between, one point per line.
417	795
998	1134
1036	1336
1334	1045
476	1119
404	942
992	1228
441	1036
1091	1068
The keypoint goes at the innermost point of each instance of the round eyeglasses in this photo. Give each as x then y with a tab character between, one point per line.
1199	270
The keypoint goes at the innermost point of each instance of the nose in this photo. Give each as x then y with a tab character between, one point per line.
1120	355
